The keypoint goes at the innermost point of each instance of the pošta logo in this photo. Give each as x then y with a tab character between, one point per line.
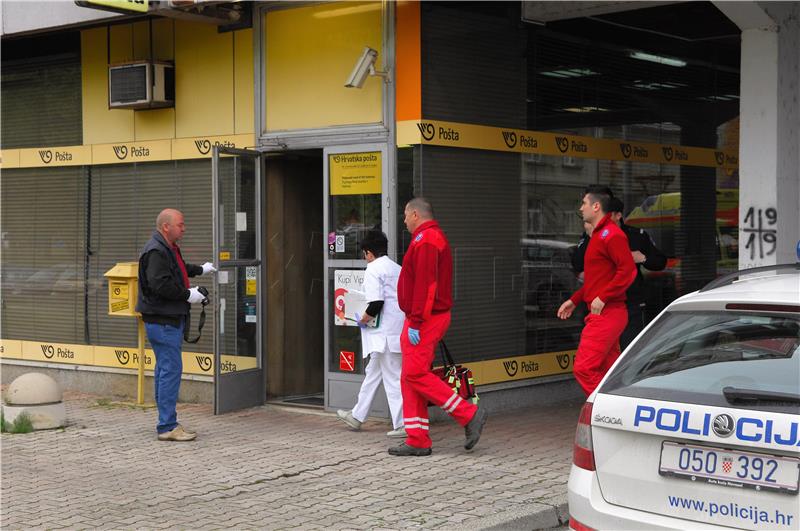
564	144
51	352
48	156
204	362
428	131
204	145
124	356
510	138
632	149
513	367
748	429
122	152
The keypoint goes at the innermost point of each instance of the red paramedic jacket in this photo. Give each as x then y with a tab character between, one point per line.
425	286
608	266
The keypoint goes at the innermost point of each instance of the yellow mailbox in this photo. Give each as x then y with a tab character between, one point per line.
123	288
123	282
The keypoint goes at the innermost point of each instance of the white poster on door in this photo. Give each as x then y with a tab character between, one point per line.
348	296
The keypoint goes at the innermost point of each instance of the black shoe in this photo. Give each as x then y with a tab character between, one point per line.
473	430
405	449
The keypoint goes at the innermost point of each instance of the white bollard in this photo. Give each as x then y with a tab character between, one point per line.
38	396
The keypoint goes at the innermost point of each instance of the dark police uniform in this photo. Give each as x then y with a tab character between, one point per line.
655	260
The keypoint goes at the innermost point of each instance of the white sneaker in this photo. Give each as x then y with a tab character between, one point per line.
347	418
399	433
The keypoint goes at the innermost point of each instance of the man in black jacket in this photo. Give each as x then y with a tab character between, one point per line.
645	253
164	299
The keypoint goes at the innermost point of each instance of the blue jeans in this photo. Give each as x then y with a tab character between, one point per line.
166	341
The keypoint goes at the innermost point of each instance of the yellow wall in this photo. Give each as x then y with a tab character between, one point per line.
213	81
309	53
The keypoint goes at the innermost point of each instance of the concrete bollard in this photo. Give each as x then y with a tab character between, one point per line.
38	396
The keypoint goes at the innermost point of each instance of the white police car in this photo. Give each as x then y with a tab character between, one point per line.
697	425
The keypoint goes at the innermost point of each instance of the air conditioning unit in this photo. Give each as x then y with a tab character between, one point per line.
141	85
571	162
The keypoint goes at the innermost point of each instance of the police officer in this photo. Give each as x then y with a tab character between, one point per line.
645	253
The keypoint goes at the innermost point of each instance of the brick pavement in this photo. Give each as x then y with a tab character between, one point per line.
278	468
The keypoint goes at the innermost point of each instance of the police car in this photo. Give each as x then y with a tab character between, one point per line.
697	425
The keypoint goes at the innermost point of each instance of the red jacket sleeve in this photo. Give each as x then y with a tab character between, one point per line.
426	275
620	254
577	297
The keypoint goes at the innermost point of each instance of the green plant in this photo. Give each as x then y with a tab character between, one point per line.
21	424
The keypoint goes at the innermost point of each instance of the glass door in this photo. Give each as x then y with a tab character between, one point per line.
359	199
238	361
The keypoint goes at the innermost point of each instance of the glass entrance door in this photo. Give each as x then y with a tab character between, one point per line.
238	361
359	199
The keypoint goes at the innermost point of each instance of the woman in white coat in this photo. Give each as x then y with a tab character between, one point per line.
382	343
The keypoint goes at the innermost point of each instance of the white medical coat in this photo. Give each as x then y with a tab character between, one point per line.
380	284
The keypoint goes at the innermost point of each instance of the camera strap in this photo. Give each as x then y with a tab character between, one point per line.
199	325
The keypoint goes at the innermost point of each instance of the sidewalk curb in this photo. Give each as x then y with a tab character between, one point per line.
551	514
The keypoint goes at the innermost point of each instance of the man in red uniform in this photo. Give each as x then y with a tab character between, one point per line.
608	271
424	293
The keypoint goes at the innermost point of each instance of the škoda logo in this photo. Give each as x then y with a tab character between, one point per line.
204	362
720	156
121	152
427	130
46	155
668	153
510	138
123	356
563	360
562	143
626	150
511	367
203	146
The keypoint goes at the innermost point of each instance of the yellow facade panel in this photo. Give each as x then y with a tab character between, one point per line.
309	53
243	69
100	124
203	80
121	43
9	158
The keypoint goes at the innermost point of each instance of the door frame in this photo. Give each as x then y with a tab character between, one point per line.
246	388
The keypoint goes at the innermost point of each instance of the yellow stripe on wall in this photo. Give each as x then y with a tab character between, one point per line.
547	143
115	357
121	152
522	367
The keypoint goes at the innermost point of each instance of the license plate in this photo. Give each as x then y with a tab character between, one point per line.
731	468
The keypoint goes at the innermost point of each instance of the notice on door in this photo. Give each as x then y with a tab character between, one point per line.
355	173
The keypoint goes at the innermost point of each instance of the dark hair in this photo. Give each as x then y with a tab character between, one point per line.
600	194
375	242
616	205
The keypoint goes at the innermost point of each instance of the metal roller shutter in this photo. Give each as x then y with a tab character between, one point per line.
126	199
41	96
43	254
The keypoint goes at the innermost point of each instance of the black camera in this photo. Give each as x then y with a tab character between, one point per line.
204	291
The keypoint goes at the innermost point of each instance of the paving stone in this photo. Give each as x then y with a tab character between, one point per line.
275	468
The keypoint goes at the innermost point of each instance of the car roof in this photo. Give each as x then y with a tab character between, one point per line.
761	286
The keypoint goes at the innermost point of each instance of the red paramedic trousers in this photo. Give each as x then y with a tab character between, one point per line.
419	385
599	346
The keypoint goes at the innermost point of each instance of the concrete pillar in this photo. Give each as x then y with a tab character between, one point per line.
769	144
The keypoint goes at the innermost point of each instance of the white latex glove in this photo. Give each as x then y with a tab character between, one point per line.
195	296
208	267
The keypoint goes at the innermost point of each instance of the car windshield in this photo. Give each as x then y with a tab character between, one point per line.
715	358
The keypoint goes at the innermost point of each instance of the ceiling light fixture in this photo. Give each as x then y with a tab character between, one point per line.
660	59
